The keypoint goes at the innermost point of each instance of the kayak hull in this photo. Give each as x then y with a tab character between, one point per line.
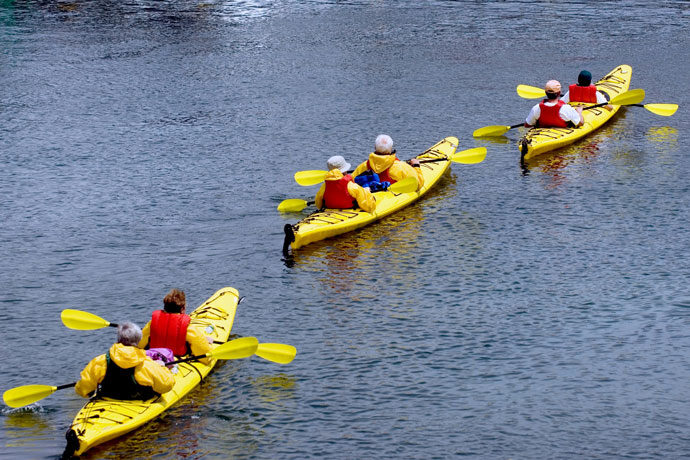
538	141
103	419
324	224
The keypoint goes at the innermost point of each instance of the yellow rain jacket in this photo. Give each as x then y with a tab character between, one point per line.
196	340
146	371
365	199
398	170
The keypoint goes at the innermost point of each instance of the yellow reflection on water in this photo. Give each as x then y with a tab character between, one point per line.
23	427
275	387
665	134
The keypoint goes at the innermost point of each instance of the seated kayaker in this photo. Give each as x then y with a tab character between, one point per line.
125	372
552	112
169	328
389	168
339	191
585	91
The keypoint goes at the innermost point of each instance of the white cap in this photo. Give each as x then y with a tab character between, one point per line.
338	162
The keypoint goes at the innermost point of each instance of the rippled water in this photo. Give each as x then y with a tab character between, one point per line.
515	312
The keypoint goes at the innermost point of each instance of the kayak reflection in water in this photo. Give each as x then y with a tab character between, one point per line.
385	163
553	112
125	372
339	190
169	328
585	91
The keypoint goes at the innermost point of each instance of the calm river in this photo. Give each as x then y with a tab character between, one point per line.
514	313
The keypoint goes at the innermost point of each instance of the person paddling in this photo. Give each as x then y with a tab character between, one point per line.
125	372
339	190
552	112
389	168
585	91
169	328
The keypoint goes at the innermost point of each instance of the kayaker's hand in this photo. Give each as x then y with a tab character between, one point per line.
414	162
209	339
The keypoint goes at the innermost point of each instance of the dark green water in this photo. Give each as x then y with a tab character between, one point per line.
537	312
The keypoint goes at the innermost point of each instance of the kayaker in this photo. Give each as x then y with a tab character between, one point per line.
383	162
585	91
125	372
552	112
169	328
339	190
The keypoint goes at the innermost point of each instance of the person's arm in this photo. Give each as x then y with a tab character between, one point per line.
566	97
145	334
198	343
401	170
91	376
359	169
365	199
601	99
318	199
533	116
151	374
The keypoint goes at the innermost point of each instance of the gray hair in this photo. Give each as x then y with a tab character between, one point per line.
129	334
384	144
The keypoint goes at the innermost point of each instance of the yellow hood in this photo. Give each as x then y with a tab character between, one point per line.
334	174
379	163
125	356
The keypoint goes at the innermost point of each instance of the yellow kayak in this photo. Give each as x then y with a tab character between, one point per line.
542	140
331	222
102	419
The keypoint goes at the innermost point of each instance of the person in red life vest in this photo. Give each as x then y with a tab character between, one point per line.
384	162
169	328
125	372
585	91
552	112
339	190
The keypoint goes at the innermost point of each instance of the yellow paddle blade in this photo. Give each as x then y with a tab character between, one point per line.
408	184
634	96
81	320
470	156
292	205
530	92
27	394
312	177
276	352
491	131
235	349
665	110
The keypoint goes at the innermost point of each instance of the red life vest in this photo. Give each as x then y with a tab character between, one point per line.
169	330
583	93
549	116
336	195
384	176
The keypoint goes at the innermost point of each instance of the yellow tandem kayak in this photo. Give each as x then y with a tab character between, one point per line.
320	225
541	140
102	419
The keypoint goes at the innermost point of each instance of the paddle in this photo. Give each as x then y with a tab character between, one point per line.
632	97
469	156
235	349
84	321
409	184
665	110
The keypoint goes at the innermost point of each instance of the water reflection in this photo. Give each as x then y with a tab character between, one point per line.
274	388
25	426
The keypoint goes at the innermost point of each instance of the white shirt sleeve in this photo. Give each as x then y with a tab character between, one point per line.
533	115
566	97
568	113
601	99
